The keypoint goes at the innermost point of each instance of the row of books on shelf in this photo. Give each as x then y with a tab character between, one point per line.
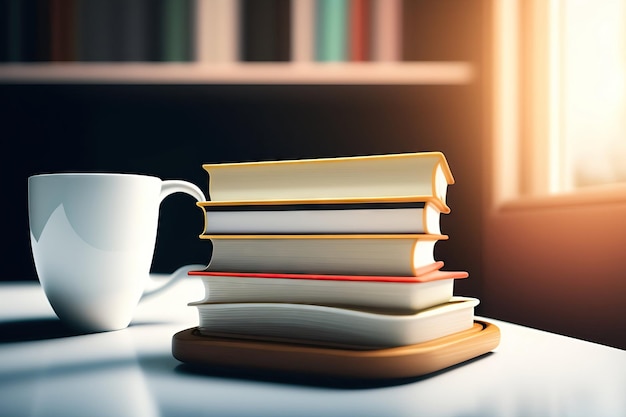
96	30
200	30
336	253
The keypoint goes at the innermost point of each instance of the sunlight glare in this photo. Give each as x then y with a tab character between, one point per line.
594	91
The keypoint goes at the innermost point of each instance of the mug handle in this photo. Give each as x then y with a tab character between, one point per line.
169	187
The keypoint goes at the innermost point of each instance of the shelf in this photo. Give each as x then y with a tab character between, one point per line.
240	73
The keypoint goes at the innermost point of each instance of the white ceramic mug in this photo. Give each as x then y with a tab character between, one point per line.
92	239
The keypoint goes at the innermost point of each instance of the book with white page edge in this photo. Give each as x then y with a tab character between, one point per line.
309	217
431	287
320	324
339	254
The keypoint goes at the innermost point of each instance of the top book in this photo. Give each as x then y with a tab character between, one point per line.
423	176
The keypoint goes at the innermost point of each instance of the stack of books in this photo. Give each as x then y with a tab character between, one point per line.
335	254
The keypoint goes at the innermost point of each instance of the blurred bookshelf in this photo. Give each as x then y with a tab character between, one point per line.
216	42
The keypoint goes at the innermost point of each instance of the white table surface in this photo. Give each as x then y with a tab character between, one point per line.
46	371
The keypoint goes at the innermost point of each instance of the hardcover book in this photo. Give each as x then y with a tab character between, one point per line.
405	177
320	218
331	30
344	254
265	30
430	287
323	324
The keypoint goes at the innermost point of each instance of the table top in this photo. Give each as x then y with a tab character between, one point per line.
47	370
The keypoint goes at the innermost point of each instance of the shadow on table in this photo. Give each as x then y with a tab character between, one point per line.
35	329
308	379
45	329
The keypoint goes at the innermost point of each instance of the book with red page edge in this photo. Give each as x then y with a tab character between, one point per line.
426	273
406	293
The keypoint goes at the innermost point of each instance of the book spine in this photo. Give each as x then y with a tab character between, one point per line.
302	30
34	31
95	23
62	30
5	25
265	30
386	21
153	30
177	29
331	17
42	31
134	34
206	33
283	30
25	31
255	31
119	38
359	30
218	31
228	31
14	31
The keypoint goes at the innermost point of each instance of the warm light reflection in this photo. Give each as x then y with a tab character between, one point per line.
505	107
555	146
560	96
594	106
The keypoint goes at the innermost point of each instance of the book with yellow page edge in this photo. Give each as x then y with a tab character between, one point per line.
341	254
430	286
405	177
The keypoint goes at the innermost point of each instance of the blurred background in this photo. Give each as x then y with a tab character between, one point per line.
525	98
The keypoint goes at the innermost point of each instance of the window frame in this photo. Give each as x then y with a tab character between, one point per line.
527	146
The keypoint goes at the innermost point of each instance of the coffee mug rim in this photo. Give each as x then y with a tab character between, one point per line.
91	174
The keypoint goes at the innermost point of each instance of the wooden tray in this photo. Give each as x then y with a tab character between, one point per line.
190	347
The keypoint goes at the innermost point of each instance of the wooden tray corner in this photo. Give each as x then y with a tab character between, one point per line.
190	347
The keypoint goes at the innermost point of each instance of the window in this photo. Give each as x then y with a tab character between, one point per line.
560	96
593	91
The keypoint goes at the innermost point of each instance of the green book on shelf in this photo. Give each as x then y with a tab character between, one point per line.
331	30
176	30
